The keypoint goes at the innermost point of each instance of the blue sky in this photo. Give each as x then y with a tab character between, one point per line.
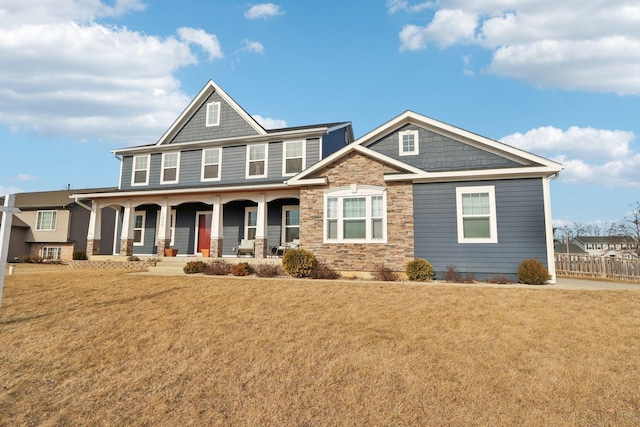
79	78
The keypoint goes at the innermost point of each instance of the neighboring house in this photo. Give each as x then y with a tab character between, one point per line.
51	226
413	187
613	246
561	248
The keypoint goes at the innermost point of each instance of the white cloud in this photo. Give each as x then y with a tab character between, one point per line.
65	75
263	11
395	5
573	45
269	123
592	156
253	47
25	177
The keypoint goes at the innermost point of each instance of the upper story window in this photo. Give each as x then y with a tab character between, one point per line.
257	161
355	214
138	227
476	211
170	167
213	114
294	158
211	164
46	220
408	142
140	175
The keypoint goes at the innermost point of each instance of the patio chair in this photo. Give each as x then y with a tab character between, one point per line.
246	247
284	247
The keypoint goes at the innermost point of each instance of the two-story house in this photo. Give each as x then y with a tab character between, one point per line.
413	187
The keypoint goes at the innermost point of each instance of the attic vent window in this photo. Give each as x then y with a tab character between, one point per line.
408	141
213	114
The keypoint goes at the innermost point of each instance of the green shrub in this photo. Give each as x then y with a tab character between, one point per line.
241	269
299	262
194	267
80	255
532	272
323	271
269	270
419	270
217	268
383	273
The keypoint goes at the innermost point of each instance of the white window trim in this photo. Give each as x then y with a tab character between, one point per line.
133	171
493	222
352	191
266	161
246	220
219	107
203	164
144	223
284	157
285	209
416	145
55	220
162	180
56	249
172	219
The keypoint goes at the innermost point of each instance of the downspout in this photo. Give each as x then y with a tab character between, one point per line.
78	202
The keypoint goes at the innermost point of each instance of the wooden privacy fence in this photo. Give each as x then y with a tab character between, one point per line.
598	267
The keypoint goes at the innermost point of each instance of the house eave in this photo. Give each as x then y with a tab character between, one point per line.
476	175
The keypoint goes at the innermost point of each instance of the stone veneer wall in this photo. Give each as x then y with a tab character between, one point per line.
66	250
356	168
111	265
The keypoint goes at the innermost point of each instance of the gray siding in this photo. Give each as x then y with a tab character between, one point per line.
520	221
438	152
231	124
333	141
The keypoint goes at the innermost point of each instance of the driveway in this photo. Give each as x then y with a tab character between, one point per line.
592	285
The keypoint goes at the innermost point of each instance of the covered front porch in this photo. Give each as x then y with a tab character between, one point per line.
210	225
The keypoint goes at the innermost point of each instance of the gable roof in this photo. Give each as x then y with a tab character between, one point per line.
50	199
532	165
197	102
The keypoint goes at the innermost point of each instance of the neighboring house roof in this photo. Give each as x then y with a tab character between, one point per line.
16	222
561	248
51	199
529	164
599	239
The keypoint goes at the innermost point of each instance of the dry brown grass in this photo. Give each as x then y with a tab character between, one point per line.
107	348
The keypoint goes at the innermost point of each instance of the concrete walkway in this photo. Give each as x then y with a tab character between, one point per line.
593	285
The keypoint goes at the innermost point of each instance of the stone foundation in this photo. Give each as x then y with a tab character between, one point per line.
215	248
66	250
93	247
126	247
261	248
162	245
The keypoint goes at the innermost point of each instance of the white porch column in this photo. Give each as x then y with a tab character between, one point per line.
164	228
551	259
126	237
215	247
94	234
261	228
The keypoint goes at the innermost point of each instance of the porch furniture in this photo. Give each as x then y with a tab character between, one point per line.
284	247
246	246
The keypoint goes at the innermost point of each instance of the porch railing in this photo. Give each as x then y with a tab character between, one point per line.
598	267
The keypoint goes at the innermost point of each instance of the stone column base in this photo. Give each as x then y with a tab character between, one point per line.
126	247
215	248
261	248
93	247
162	245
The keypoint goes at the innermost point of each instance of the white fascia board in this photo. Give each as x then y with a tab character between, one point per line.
477	175
270	137
192	190
311	181
387	159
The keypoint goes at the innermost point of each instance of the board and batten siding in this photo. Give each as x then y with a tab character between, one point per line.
234	166
520	223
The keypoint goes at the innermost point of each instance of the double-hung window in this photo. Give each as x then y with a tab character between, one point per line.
250	223
140	175
170	167
476	211
138	228
294	157
290	223
355	214
408	142
46	220
213	114
211	164
257	161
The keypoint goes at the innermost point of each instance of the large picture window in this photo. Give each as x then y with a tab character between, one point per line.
476	212
355	214
257	161
170	167
46	220
211	164
294	158
140	175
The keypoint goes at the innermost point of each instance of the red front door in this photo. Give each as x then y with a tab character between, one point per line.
204	231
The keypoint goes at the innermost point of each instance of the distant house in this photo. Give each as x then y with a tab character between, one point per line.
613	246
561	248
51	226
413	187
